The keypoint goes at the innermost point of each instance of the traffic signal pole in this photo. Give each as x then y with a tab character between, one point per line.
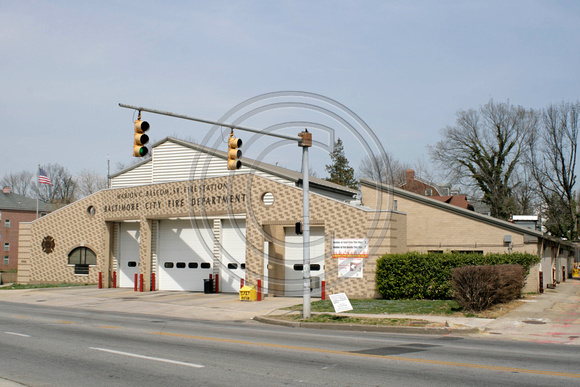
304	140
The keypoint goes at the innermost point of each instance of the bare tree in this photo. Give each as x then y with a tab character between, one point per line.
483	149
20	183
89	182
62	190
553	150
383	168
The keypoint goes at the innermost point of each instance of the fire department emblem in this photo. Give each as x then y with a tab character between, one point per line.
48	244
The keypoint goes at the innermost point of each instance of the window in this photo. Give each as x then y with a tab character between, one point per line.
6	246
205	265
7	223
82	256
180	265
168	265
6	260
192	265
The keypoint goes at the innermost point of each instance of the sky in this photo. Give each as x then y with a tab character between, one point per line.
377	74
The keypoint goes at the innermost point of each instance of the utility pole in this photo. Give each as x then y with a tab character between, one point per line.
304	140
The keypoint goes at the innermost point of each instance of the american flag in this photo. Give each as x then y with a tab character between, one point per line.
43	177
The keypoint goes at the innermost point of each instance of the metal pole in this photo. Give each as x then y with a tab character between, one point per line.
305	234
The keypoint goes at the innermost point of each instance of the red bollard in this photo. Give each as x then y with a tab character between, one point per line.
114	279
141	284
152	282
323	290
136	281
259	290
241	283
100	280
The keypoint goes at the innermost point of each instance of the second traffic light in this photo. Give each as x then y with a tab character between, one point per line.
234	154
141	139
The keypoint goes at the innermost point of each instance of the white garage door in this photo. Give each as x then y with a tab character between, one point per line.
293	262
233	254
185	254
128	260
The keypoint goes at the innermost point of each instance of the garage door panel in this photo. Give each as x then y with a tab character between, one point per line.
233	254
294	261
128	260
184	254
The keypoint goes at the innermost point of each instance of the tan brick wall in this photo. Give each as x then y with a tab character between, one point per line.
433	228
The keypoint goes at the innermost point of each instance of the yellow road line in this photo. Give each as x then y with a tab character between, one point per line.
399	358
66	322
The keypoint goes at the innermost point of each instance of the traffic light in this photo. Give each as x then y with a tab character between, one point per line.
234	154
139	148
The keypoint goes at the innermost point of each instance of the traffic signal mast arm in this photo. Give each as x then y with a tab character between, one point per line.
224	124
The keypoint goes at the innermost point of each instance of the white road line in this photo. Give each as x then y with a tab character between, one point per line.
17	334
148	357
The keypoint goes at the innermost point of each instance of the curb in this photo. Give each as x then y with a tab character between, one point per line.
368	328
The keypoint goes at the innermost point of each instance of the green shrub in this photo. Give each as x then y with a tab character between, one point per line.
477	288
428	275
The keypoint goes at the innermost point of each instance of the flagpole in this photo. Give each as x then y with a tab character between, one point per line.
38	191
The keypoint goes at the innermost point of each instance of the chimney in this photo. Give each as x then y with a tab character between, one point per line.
410	175
6	190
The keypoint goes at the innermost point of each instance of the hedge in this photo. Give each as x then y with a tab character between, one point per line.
427	276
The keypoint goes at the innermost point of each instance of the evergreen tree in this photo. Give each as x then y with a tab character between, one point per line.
339	170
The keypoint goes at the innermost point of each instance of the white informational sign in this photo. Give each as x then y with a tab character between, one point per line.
350	248
350	267
340	302
350	254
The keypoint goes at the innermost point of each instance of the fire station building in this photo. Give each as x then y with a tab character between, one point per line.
171	221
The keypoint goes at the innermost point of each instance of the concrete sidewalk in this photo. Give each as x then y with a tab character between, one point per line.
551	317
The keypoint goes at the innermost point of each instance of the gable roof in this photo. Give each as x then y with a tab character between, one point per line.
288	174
16	202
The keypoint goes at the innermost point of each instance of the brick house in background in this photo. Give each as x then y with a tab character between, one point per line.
15	209
442	193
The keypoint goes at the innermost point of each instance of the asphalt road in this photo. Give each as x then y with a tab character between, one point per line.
50	346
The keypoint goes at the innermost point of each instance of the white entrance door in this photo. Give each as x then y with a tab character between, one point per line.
233	254
293	262
185	254
128	261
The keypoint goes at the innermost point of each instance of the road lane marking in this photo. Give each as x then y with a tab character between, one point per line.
66	322
398	358
148	357
17	334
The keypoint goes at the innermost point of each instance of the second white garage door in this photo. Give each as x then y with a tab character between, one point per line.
293	259
185	254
